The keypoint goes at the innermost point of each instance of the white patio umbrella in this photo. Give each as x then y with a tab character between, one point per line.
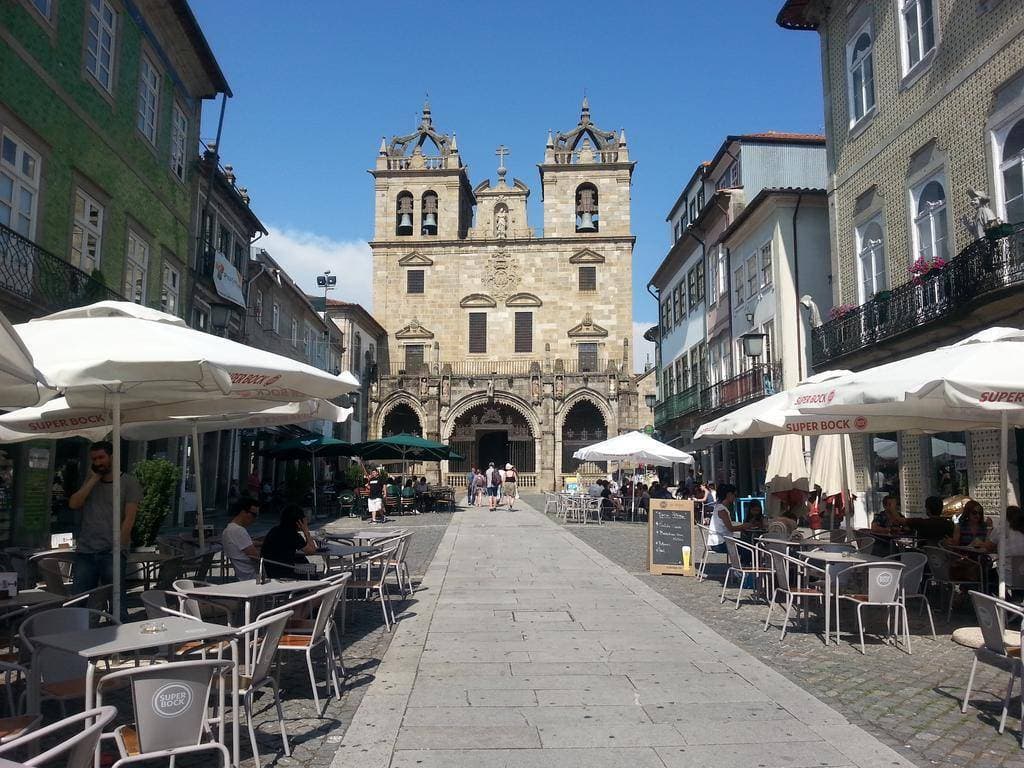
116	354
20	383
635	447
979	380
787	467
832	469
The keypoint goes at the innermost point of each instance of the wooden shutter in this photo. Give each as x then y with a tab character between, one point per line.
477	332
413	357
414	281
588	356
588	278
524	331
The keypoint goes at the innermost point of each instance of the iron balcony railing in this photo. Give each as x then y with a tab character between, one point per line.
759	381
684	402
983	267
44	282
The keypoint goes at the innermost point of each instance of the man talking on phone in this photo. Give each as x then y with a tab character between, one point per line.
94	560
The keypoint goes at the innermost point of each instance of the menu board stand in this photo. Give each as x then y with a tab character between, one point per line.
670	526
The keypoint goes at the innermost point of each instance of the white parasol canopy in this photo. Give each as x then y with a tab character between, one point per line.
979	380
119	354
787	467
833	470
635	447
20	383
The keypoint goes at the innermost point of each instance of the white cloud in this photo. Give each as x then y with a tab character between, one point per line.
304	255
643	350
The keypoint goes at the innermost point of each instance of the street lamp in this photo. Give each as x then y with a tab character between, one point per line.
753	344
220	316
327	281
650	400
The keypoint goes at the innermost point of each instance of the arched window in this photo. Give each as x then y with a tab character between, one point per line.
870	260
403	214
930	222
861	73
357	354
1012	168
429	213
587	219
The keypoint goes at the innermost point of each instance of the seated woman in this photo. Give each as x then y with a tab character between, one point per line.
1007	537
408	492
971	529
287	544
789	519
755	515
889	520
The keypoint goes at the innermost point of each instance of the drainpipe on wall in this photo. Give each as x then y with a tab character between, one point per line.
800	341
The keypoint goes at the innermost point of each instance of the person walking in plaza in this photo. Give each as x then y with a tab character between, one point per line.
479	488
470	485
509	480
493	485
238	545
375	497
94	560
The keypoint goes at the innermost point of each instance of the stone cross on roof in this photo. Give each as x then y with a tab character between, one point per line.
501	152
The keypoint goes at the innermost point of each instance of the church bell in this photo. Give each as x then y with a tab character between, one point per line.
586	223
430	224
405	224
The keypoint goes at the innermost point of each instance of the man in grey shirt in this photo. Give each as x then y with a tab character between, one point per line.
94	560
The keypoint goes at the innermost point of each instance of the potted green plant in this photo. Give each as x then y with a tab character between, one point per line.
159	479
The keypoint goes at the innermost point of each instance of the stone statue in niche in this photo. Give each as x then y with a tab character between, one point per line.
983	218
559	387
446	390
424	387
535	388
501	222
490	389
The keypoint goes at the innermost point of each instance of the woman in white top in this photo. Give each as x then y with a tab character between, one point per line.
1010	543
721	519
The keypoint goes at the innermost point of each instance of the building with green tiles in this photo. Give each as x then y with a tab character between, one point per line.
100	104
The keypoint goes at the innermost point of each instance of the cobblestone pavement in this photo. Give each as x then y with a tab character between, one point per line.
314	740
910	702
530	649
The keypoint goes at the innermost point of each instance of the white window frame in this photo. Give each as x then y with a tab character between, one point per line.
753	275
170	290
179	142
712	278
148	111
258	308
937	233
202	309
136	267
1002	166
307	341
738	275
22	181
103	75
767	264
877	253
43	7
869	57
295	332
907	48
275	317
88	234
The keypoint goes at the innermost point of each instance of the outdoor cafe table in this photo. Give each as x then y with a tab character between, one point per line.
29	598
828	560
376	535
249	591
100	643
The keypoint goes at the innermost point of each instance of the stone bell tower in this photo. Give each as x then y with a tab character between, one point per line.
421	190
585	181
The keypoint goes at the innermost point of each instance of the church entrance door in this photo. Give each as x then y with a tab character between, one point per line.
492	446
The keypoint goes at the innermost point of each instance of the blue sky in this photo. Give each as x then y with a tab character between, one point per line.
318	83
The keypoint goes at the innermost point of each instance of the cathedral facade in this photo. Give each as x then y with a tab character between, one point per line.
512	346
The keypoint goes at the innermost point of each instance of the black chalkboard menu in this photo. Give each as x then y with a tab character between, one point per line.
670	528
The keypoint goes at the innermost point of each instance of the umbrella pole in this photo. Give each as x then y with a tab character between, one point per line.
314	484
116	554
1004	478
196	470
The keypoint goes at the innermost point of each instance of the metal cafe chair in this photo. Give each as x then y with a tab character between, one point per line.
264	637
885	590
793	579
992	614
170	702
74	751
736	566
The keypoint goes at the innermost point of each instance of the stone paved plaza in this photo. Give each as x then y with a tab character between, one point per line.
527	647
910	702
